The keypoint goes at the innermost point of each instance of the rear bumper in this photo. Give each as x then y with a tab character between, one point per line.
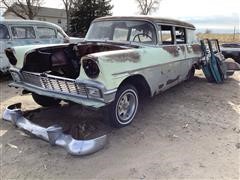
62	88
53	134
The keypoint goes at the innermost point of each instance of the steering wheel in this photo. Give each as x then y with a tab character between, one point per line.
142	34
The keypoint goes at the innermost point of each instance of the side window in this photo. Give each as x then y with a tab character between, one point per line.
120	34
23	32
167	35
180	35
46	33
4	34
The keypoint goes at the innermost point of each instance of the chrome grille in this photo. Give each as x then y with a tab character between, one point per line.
53	83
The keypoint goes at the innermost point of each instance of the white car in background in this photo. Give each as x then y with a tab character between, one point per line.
27	32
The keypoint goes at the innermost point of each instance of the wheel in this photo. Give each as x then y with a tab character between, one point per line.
122	111
191	73
44	100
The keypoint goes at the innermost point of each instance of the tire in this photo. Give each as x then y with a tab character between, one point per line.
122	111
190	75
45	101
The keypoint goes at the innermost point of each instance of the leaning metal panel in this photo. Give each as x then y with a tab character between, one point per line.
53	134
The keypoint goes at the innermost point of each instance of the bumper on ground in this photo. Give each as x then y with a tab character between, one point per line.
53	134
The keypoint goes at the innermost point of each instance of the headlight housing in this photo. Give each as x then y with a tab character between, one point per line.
91	68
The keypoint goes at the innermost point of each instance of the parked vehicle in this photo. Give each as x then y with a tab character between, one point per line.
231	50
26	32
121	59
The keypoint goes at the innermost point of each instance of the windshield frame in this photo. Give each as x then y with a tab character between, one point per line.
155	35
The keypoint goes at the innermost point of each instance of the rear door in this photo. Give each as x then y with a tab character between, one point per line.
174	56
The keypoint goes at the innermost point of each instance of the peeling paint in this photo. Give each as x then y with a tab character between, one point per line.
170	81
171	50
124	57
182	48
197	49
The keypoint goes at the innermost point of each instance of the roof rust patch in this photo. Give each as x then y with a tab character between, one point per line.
124	57
171	50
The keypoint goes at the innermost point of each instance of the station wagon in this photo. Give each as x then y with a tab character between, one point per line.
26	32
120	60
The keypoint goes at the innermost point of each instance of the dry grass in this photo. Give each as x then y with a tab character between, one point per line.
223	38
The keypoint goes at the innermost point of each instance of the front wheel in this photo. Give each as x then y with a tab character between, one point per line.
45	101
122	111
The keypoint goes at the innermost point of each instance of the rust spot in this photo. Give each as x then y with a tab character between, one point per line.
171	50
170	81
182	48
196	48
124	57
160	86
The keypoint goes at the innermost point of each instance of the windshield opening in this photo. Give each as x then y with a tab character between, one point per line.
122	31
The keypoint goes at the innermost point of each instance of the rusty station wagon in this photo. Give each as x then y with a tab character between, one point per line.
120	60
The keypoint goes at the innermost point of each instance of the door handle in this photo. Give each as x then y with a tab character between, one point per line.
178	48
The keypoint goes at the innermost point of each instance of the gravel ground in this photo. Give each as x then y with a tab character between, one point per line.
188	132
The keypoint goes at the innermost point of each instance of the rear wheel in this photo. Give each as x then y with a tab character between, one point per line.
191	73
45	101
122	111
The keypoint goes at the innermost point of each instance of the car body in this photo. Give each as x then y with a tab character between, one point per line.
26	32
231	50
120	60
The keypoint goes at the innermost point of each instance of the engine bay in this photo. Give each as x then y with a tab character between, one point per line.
64	61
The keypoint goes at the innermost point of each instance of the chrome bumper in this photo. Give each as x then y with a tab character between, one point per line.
53	134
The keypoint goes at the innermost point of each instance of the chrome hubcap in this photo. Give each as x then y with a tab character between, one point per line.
126	106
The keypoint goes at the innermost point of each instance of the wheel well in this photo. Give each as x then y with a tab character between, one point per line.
140	83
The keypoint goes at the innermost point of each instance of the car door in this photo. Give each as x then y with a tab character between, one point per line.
172	55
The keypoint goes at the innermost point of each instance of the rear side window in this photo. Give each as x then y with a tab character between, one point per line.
23	32
167	35
4	34
46	33
180	35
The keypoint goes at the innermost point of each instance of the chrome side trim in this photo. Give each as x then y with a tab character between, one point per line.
53	134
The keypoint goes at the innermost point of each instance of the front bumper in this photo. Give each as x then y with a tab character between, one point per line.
87	93
53	134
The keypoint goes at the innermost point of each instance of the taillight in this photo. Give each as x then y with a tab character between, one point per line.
90	67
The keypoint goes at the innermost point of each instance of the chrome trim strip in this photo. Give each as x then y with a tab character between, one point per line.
53	134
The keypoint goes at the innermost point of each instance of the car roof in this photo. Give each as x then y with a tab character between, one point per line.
160	20
29	22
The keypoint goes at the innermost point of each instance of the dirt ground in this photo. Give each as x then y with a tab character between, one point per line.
189	132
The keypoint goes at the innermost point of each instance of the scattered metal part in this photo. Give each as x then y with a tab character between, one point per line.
53	134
